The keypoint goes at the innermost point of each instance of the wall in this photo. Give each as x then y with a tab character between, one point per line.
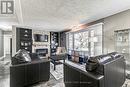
7	32
116	22
13	40
7	43
1	43
62	39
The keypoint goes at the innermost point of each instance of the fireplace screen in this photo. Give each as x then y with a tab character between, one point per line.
42	52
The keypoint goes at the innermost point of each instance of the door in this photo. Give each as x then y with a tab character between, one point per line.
7	44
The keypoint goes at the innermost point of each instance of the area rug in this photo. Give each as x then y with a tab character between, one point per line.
58	73
59	85
127	83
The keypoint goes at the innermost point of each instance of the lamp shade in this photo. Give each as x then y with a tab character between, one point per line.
61	50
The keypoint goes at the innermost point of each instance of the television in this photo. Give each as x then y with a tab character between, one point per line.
40	38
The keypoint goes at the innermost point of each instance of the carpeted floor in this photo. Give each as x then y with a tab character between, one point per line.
58	73
127	83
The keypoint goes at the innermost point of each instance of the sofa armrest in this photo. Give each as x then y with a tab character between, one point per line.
30	63
22	75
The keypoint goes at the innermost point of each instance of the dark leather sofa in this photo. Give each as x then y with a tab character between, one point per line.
109	72
28	73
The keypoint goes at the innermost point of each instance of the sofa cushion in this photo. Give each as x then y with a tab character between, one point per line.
75	56
21	56
91	64
115	55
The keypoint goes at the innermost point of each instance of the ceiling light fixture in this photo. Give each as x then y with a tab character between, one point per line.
76	27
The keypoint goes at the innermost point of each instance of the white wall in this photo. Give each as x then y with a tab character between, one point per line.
13	40
116	22
1	43
7	44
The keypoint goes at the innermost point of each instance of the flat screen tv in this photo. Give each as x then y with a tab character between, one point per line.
40	38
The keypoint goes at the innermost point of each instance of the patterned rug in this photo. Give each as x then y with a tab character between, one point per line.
127	83
58	73
59	85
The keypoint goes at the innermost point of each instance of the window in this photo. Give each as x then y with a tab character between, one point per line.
81	41
69	42
87	40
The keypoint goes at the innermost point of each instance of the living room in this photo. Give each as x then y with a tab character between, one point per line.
63	43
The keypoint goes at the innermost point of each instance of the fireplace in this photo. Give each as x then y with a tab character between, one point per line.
42	52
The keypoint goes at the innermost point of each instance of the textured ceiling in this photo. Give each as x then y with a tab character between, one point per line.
61	14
